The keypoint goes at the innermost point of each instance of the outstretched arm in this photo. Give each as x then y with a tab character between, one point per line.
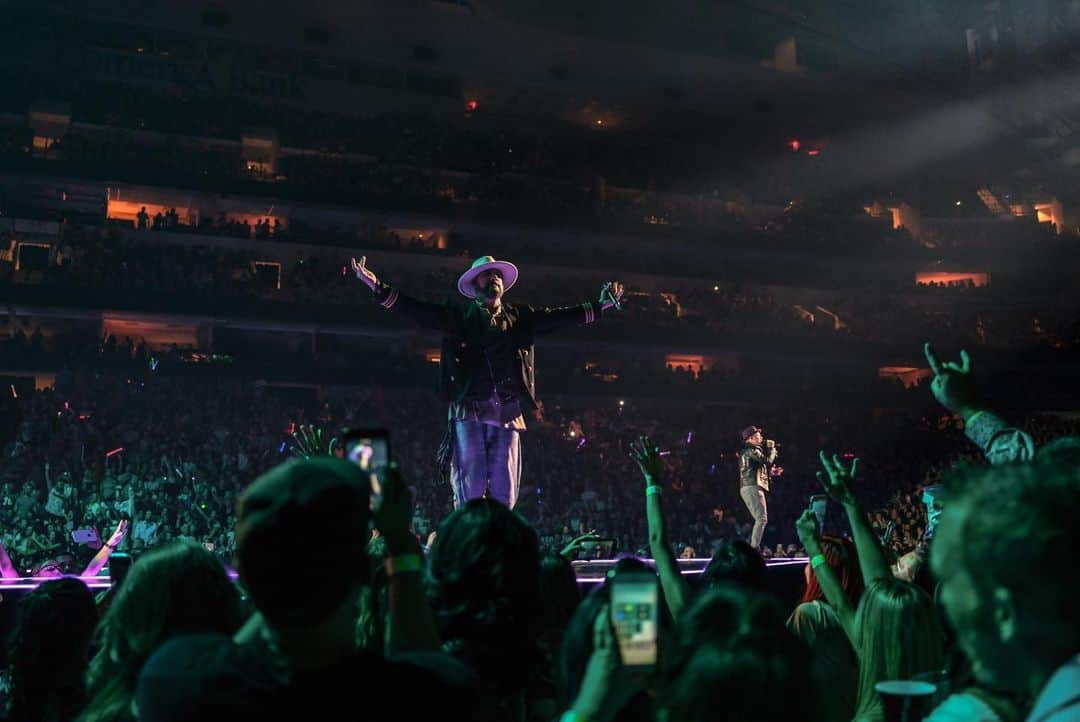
954	388
410	619
550	319
675	589
433	316
102	557
807	527
839	483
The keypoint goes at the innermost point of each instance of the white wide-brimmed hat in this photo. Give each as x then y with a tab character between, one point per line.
508	270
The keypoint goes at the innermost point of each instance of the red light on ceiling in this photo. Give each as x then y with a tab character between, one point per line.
814	151
471	105
794	144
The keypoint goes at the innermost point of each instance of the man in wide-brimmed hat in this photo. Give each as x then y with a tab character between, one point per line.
487	369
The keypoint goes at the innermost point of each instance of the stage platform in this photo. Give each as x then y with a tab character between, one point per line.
595	570
784	577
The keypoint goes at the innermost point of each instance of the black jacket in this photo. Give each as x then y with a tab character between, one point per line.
463	365
754	466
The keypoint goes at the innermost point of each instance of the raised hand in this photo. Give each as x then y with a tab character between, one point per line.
838	481
806	526
953	385
393	515
360	269
119	534
309	442
602	670
647	456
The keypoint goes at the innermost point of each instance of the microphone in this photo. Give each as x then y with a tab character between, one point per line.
611	296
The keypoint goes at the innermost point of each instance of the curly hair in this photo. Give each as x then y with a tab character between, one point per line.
483	583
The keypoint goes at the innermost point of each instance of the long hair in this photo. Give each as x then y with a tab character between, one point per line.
898	635
49	648
841	557
180	588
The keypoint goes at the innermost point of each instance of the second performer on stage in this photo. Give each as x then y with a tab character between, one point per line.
756	466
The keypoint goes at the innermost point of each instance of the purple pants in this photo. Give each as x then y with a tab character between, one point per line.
486	458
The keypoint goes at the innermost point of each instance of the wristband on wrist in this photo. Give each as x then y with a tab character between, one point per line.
403	564
572	716
654	490
969	419
817	560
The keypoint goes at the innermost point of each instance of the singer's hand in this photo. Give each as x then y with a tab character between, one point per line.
360	269
769	443
611	294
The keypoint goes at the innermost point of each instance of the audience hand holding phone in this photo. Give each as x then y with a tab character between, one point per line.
571	549
393	513
607	684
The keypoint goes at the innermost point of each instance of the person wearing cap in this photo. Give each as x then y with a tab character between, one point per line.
298	649
487	369
755	467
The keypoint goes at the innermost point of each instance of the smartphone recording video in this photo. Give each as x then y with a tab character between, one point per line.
635	597
370	450
818	504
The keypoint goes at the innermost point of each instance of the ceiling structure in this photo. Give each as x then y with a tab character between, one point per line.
857	75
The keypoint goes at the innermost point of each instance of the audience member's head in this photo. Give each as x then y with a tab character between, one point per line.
1005	554
898	635
626	705
305	519
177	589
559	592
735	562
731	657
840	556
50	647
484	571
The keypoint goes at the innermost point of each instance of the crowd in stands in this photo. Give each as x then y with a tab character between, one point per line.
485	614
111	261
176	474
